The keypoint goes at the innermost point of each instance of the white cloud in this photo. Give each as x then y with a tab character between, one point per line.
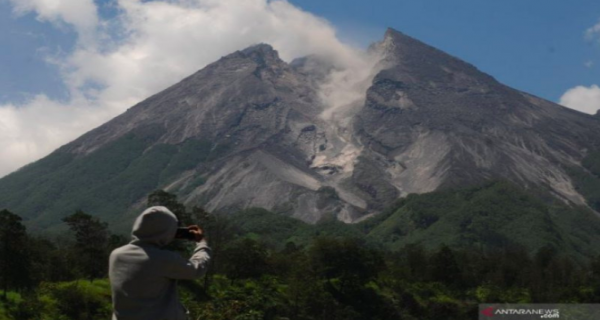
29	132
148	47
581	98
79	13
593	32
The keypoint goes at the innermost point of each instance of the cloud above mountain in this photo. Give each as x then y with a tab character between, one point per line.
144	48
581	98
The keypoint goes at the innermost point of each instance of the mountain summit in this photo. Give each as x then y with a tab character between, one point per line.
251	130
448	124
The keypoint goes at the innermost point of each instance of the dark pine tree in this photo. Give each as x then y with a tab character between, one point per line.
444	267
91	244
15	262
168	200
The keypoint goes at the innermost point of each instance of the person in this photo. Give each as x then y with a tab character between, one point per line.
143	276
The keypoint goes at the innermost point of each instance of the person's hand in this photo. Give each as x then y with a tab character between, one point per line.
197	232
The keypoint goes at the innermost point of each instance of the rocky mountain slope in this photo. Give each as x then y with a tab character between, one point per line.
251	130
444	123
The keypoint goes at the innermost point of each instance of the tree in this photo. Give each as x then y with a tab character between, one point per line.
444	267
168	200
15	261
346	260
91	244
416	260
245	258
43	267
218	230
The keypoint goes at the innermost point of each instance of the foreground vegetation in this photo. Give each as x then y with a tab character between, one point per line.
433	256
339	279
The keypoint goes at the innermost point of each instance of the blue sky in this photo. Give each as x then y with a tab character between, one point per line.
537	45
23	67
68	66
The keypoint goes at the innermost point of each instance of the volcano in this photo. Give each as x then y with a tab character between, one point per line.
251	130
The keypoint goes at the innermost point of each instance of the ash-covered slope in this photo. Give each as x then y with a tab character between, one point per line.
439	122
251	130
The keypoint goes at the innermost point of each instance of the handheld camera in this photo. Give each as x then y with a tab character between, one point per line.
184	234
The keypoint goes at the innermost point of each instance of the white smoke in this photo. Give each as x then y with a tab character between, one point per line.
151	45
347	85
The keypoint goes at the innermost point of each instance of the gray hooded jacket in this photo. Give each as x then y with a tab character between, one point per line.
143	276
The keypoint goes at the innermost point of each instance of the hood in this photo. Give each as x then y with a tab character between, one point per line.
156	225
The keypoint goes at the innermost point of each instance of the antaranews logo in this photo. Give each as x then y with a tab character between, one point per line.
488	312
542	313
535	311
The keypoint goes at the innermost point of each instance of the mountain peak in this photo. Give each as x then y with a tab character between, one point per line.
405	47
402	49
393	33
247	131
426	64
399	39
261	52
262	48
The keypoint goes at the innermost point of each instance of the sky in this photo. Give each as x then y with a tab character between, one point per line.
67	66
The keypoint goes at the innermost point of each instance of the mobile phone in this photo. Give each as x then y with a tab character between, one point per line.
185	234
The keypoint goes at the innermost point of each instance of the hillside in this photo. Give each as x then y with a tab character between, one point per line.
492	216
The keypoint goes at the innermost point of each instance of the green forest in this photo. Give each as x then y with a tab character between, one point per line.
430	256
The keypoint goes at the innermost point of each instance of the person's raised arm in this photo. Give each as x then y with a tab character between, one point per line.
179	268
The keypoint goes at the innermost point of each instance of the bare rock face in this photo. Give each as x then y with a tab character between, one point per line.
439	122
249	131
265	114
243	99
